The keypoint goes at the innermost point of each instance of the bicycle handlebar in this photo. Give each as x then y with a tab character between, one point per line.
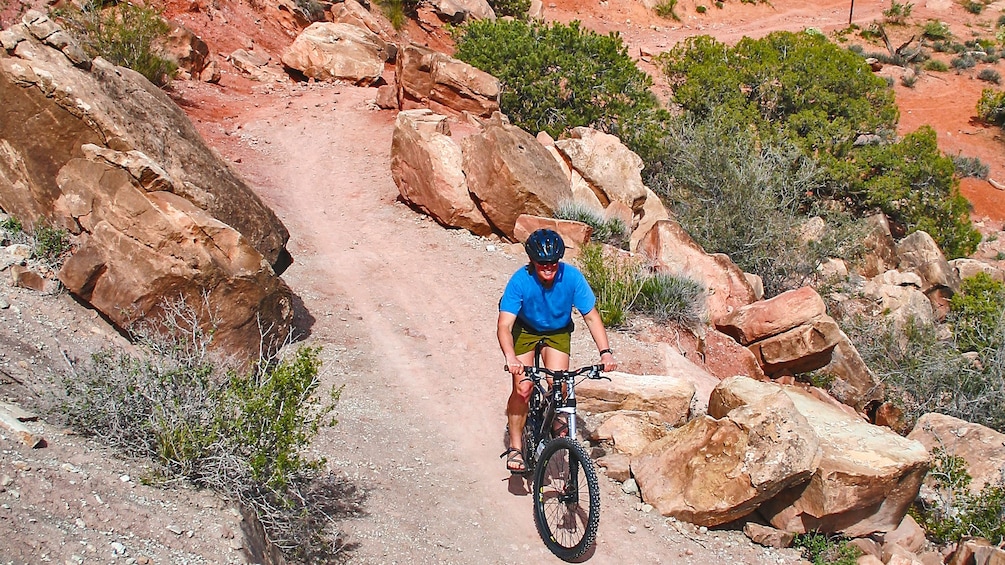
591	372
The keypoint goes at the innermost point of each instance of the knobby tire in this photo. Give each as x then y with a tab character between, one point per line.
566	509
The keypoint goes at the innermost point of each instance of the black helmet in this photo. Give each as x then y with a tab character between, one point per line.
544	246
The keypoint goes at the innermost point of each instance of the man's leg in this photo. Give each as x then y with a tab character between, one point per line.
516	407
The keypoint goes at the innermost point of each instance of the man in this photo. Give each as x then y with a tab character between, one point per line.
537	305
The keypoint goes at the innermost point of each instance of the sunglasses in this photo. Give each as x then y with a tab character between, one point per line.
547	265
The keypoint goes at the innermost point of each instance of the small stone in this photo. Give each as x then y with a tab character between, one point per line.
118	548
632	529
124	478
630	487
175	530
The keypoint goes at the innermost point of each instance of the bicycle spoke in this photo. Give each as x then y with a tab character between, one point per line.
567	499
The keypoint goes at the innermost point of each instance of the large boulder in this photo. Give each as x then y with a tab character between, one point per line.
674	251
509	173
53	105
766	318
720	467
668	396
919	253
611	169
429	79
98	150
336	51
982	448
426	165
866	480
139	248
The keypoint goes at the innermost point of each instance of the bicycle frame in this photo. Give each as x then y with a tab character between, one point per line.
545	403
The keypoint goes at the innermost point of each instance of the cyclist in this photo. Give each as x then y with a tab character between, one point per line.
537	305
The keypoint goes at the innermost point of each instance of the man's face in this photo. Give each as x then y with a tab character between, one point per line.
546	271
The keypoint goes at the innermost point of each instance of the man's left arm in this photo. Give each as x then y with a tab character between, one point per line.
599	333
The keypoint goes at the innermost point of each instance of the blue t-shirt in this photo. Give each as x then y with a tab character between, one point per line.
545	309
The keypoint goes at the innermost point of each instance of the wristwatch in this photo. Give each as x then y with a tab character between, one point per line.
608	350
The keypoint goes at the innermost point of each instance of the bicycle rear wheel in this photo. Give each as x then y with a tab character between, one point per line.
566	499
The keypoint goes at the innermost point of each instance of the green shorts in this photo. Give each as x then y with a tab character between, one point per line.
524	339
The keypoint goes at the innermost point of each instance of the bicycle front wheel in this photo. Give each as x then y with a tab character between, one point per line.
566	499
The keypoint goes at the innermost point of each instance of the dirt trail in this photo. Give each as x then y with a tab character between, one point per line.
405	310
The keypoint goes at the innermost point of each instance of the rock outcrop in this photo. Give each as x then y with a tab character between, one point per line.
337	51
430	79
98	150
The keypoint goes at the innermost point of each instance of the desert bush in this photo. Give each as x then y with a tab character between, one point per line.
556	77
989	75
936	65
898	12
49	243
241	433
922	373
311	10
821	549
744	199
125	34
611	231
615	280
991	106
972	6
915	185
936	30
978	315
679	299
970	167
909	79
513	8
667	9
955	512
965	61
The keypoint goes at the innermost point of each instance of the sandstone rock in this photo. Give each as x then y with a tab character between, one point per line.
629	430
767	536
608	166
851	380
352	12
711	471
652	211
575	234
138	249
427	167
670	397
919	252
256	65
336	51
509	173
116	108
428	78
673	250
908	535
387	97
616	465
982	448
185	49
459	11
881	249
866	479
965	268
766	318
798	350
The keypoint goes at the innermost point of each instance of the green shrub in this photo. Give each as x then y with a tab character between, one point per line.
513	8
935	65
50	243
745	199
963	62
991	106
821	549
909	79
957	512
972	6
970	167
936	30
673	298
701	9
611	231
923	374
977	314
666	9
989	75
614	280
898	13
915	185
124	34
241	433
556	77
12	226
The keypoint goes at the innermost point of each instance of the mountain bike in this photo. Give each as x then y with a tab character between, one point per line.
566	491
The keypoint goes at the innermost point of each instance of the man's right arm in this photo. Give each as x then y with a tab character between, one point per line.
504	333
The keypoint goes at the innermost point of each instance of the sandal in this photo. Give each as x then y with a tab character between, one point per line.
560	425
514	461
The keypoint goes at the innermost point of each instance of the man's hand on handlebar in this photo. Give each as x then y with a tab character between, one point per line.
608	361
514	367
